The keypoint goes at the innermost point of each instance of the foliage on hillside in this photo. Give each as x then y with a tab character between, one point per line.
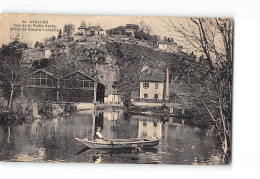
116	31
145	36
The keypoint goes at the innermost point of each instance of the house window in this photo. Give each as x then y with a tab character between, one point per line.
156	96
145	95
146	85
156	85
155	124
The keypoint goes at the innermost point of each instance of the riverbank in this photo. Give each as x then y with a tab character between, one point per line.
26	110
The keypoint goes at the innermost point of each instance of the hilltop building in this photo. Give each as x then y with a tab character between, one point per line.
130	30
168	47
85	31
47	53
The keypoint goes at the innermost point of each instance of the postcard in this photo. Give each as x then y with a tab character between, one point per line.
116	89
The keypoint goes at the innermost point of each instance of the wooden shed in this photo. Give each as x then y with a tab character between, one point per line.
79	87
40	85
75	87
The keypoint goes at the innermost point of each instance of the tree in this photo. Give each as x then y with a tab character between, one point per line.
38	44
11	58
44	62
40	64
212	38
53	38
68	29
145	28
36	64
117	31
60	34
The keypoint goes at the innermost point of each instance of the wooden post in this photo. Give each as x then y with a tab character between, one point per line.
167	85
93	125
95	92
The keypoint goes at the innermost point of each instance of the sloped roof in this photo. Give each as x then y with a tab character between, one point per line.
94	28
78	71
152	78
57	76
49	73
183	88
82	25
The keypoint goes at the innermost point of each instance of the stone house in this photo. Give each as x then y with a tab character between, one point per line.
85	31
151	87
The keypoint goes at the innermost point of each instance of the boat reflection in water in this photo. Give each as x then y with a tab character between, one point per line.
53	140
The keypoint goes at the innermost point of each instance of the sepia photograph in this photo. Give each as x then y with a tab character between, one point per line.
116	89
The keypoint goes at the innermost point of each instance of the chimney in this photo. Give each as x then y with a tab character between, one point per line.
167	85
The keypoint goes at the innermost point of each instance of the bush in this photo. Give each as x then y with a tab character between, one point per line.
144	36
11	117
45	110
70	108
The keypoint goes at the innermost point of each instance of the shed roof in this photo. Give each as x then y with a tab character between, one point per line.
78	71
152	78
49	73
57	76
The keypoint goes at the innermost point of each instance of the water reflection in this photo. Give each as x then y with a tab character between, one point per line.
53	140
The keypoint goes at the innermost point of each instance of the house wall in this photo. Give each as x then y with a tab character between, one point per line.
103	33
82	31
47	54
151	91
113	99
168	47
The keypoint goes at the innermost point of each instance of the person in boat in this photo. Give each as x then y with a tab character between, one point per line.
98	136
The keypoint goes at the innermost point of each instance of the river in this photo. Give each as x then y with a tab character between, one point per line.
53	140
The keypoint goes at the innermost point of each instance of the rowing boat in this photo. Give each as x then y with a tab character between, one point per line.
120	143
